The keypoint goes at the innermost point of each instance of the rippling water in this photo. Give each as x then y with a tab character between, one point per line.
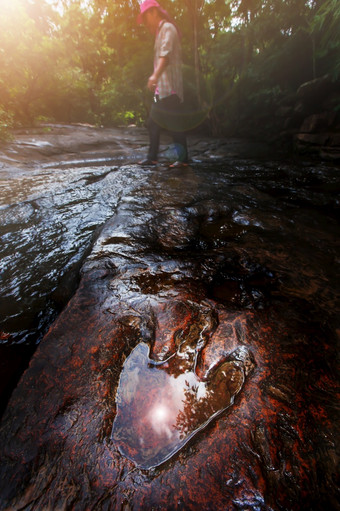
48	219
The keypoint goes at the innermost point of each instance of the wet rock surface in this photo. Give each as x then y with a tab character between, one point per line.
225	273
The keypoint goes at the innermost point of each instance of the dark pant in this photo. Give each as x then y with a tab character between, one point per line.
167	114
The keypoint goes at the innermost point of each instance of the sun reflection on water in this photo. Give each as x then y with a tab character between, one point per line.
158	412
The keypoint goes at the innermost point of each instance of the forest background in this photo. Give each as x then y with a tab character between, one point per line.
88	61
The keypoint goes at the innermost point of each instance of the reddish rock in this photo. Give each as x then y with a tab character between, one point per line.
272	447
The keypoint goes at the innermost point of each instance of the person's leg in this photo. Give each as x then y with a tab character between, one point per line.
154	134
180	141
174	109
167	114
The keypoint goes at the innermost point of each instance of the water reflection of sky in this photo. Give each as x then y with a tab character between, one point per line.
160	409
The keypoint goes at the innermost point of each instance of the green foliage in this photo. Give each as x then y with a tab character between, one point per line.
324	29
6	124
88	61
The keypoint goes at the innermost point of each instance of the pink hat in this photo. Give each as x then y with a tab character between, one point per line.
147	4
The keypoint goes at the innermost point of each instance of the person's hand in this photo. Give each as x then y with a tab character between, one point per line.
152	83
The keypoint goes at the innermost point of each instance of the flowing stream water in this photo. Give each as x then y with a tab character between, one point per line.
48	220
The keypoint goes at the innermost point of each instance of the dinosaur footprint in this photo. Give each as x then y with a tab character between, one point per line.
162	405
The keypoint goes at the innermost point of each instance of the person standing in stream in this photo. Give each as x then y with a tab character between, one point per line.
166	83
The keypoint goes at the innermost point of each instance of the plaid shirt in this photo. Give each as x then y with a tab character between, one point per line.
167	44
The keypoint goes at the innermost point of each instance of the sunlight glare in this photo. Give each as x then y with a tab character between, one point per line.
160	413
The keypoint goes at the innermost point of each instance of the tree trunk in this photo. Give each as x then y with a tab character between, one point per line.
193	8
196	55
